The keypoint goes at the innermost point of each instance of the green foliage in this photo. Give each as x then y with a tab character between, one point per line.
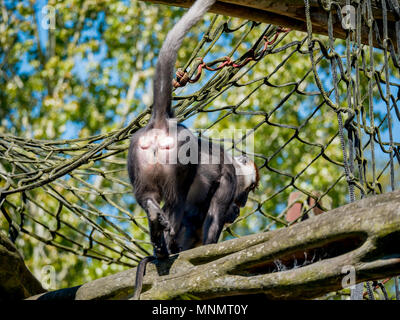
92	74
82	81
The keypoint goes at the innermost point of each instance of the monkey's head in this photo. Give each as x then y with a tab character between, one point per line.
247	178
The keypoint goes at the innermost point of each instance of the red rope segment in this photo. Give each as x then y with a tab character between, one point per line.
377	286
182	77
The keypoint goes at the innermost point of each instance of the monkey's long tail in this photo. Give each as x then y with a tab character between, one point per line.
140	272
167	57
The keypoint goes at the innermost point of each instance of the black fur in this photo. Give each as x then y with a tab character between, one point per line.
169	183
198	198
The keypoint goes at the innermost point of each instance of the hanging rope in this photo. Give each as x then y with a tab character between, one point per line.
89	209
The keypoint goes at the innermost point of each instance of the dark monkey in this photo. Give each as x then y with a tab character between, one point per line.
194	222
196	208
200	194
155	181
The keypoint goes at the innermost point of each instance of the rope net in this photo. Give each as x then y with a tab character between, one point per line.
339	119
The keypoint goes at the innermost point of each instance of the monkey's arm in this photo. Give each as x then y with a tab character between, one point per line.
157	225
219	205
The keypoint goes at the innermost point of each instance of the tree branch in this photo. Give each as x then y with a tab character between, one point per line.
305	260
16	281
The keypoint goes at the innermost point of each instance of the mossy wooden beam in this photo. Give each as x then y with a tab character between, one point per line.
291	14
303	261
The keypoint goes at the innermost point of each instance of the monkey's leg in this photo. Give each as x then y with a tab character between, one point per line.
190	238
219	206
232	213
157	224
174	214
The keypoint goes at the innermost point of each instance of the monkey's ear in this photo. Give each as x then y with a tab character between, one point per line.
257	182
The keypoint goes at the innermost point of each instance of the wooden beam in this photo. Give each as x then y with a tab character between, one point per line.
291	14
304	261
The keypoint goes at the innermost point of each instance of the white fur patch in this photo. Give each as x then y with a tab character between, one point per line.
247	171
166	142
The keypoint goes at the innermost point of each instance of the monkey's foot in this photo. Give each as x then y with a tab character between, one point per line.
157	216
160	253
164	222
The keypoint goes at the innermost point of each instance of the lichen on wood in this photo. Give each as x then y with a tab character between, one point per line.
303	261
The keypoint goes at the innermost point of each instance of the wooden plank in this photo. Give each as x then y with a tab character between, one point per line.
291	14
